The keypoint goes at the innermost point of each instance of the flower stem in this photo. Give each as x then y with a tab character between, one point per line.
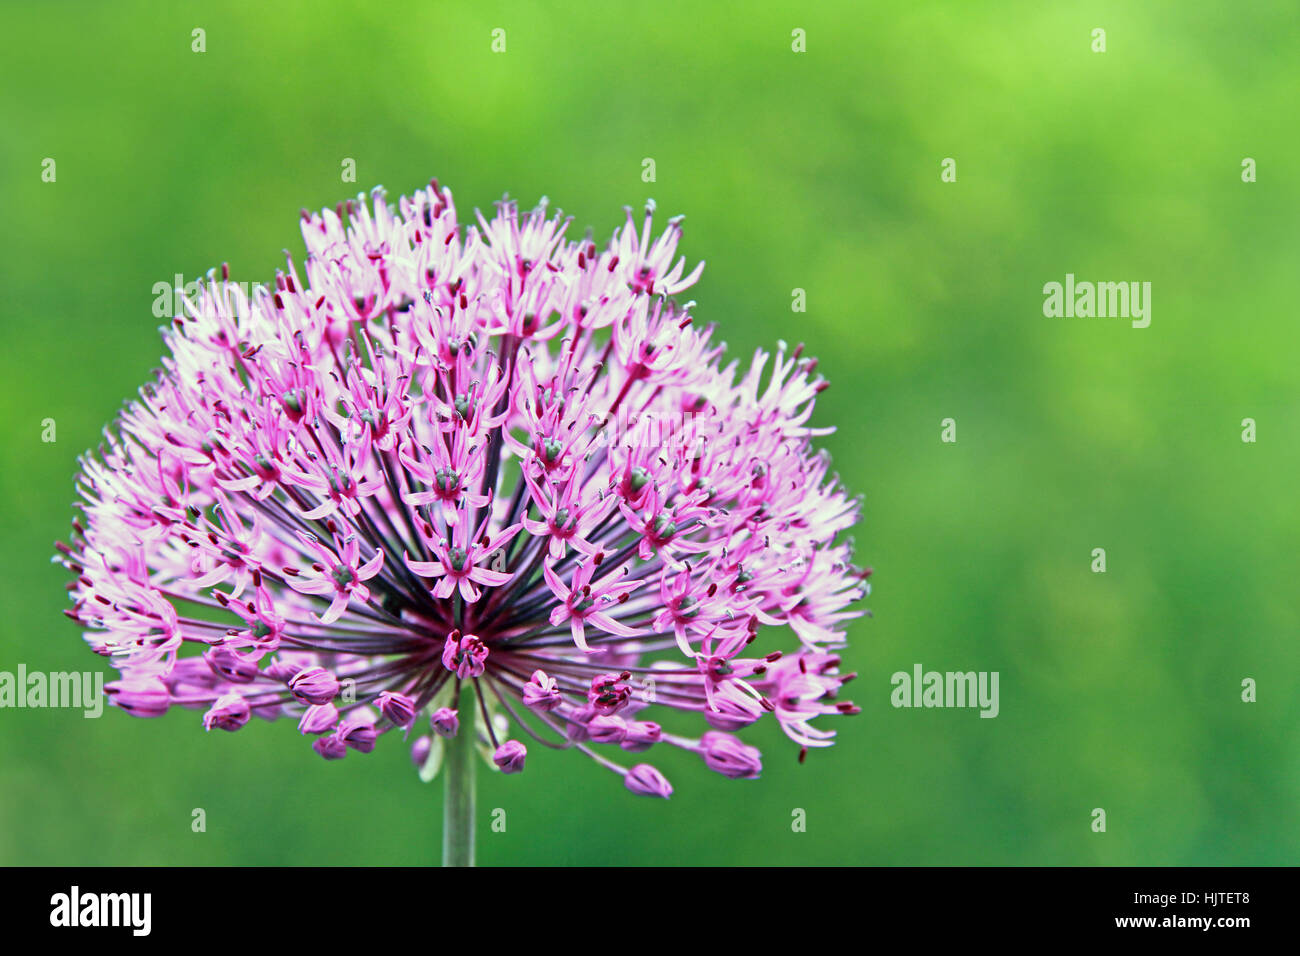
458	805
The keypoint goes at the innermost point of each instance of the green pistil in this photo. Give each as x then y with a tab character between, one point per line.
664	527
446	480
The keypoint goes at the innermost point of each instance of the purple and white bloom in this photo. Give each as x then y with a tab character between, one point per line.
436	461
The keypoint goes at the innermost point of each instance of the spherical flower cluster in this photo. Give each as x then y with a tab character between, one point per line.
484	458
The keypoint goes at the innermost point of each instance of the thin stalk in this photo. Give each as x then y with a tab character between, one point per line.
458	806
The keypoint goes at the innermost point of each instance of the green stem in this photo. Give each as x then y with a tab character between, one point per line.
458	806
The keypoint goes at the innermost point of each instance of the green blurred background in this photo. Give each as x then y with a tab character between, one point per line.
818	171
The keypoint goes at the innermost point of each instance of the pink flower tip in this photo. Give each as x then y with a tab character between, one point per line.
230	712
398	708
647	781
510	756
445	722
314	685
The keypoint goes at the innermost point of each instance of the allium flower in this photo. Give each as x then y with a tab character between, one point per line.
490	468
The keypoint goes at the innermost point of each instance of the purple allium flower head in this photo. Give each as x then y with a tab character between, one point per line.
436	457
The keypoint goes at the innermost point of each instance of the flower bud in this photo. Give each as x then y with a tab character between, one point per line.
647	781
230	712
641	735
607	729
730	756
444	721
358	732
542	692
510	756
318	718
398	708
331	748
733	711
230	665
314	685
282	670
140	696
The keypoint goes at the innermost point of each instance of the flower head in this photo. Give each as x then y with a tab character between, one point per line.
436	458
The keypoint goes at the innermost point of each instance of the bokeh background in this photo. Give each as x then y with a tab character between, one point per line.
819	171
